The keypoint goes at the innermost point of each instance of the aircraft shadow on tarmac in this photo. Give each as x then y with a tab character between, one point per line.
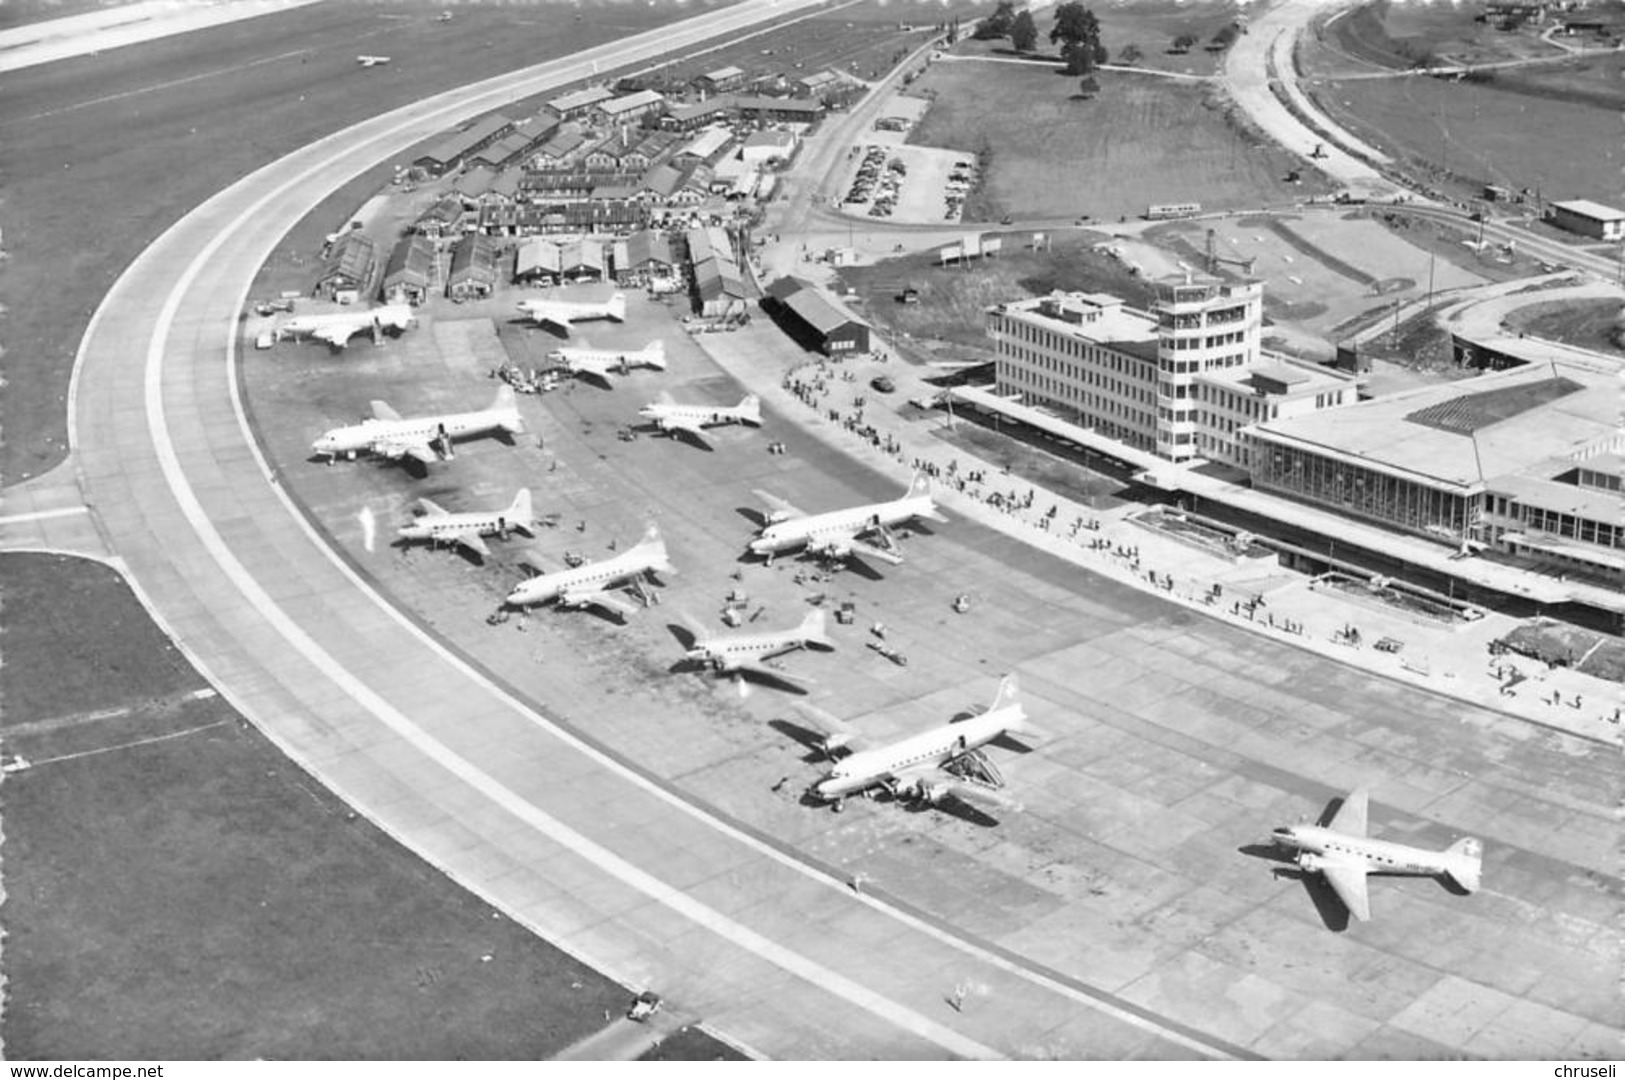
1331	910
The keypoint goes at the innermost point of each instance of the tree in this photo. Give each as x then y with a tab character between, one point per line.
1130	54
1078	31
1088	87
997	25
1024	32
1222	40
1183	43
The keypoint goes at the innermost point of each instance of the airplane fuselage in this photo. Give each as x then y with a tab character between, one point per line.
369	433
729	652
817	530
448	527
694	414
545	587
868	768
1379	856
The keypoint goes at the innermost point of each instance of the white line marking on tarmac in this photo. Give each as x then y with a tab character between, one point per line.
633	876
42	515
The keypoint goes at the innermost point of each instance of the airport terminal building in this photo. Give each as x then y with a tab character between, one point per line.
1526	463
1184	381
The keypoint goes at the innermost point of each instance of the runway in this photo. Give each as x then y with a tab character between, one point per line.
636	831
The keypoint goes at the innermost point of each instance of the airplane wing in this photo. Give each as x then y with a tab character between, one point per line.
471	539
872	552
381	411
550	317
1351	816
595	598
1347	880
937	782
598	369
779	509
767	672
687	427
430	506
336	336
836	732
397	450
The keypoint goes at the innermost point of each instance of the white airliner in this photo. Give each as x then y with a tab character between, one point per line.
467	528
692	420
338	327
834	534
561	313
589	585
599	363
921	766
425	438
736	653
371	61
1341	852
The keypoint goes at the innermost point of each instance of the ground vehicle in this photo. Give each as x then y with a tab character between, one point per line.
883	383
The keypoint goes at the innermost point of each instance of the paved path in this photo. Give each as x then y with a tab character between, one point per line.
51	40
538	821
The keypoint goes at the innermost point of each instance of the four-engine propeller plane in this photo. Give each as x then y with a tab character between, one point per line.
692	420
338	327
590	585
745	653
561	313
600	363
835	533
926	767
468	529
426	439
1342	853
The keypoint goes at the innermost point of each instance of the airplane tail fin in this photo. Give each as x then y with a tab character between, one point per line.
1463	861
506	402
655	354
920	485
1009	697
656	549
812	629
750	409
617	307
520	513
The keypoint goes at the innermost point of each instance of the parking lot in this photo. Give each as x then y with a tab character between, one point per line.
910	185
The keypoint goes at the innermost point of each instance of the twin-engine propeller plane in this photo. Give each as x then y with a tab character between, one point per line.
338	327
836	534
561	313
927	767
591	585
601	363
747	653
692	420
425	439
469	528
1342	853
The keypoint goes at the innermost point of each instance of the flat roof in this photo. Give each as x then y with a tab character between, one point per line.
1586	208
579	99
1540	440
633	101
1114	324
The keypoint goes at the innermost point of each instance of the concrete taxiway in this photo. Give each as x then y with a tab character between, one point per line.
638	816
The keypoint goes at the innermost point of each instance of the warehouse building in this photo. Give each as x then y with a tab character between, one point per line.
721	80
473	273
348	266
580	102
409	273
1587	218
452	150
803	313
632	107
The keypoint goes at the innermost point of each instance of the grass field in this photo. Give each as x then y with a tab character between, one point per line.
1473	133
1149	25
951	316
1591	324
196	896
1142	140
1400	35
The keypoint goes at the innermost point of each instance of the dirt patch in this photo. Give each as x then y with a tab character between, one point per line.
1590	324
1564	645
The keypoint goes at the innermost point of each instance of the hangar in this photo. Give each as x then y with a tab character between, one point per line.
803	313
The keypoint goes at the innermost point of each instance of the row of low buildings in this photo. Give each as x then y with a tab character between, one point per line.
1524	462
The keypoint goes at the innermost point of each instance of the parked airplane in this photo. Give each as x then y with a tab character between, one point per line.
588	585
425	438
927	766
835	534
561	313
440	527
692	420
371	61
600	362
737	653
1341	852
338	327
